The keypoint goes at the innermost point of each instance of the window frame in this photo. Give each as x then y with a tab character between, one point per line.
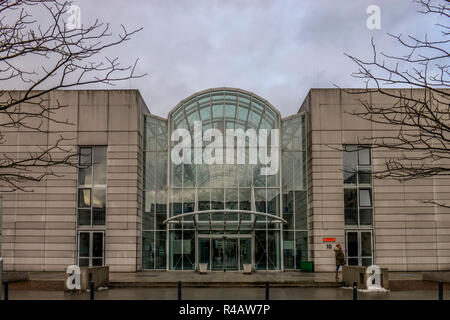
91	187
91	246
359	187
360	257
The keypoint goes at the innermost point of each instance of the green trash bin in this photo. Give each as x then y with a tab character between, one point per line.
306	266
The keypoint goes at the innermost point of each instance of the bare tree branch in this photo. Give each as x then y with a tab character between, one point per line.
420	118
41	58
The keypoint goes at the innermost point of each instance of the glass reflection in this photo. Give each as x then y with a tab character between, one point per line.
217	199
84	198
273	201
99	165
350	165
85	176
231	196
301	248
288	250
244	199
188	200
260	200
203	199
176	202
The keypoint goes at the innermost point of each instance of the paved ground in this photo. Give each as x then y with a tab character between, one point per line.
154	285
398	281
227	294
222	277
219	277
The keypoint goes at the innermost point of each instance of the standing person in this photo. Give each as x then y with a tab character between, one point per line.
340	258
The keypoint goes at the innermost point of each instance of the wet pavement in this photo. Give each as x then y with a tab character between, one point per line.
210	277
149	278
227	294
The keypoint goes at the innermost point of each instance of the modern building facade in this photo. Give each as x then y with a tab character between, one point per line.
225	214
131	205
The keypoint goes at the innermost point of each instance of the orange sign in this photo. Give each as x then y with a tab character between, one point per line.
329	239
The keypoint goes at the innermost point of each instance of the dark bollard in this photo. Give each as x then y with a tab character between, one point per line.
5	286
355	291
1	275
441	290
267	290
91	290
179	290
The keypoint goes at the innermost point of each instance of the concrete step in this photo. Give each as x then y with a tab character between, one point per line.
209	284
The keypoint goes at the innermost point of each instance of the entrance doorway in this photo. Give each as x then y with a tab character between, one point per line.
359	245
225	253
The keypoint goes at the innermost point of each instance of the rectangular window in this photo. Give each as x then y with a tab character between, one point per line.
358	205
364	176
364	156
359	247
357	176
351	206
365	198
84	198
350	164
90	248
92	186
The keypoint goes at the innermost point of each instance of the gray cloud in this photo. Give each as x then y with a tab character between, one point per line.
277	49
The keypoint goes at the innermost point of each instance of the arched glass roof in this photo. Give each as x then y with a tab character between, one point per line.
225	108
224	193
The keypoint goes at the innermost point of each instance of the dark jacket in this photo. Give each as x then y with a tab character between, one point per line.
340	257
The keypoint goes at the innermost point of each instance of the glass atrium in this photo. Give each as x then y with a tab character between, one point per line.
224	215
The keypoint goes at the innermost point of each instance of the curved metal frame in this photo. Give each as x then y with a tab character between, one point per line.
211	90
255	213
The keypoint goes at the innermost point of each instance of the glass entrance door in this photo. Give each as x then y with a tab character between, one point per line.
231	254
217	254
245	252
225	253
204	248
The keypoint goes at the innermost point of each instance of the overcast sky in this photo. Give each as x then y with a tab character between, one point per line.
276	49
